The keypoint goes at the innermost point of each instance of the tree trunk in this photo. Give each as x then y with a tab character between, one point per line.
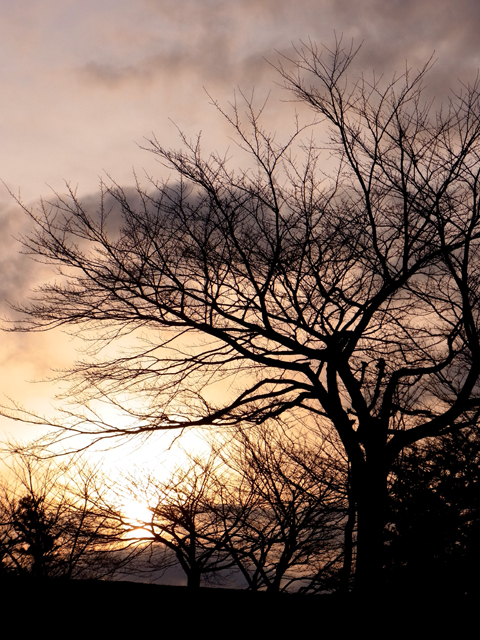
371	496
193	579
348	538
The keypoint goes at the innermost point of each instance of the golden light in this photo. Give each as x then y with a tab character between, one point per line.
137	515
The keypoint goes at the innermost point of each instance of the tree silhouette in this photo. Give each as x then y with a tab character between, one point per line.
268	507
47	525
347	291
434	516
182	525
36	533
286	497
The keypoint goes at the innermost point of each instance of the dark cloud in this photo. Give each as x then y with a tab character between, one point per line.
217	41
112	76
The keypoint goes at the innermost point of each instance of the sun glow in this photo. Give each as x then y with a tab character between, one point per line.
137	516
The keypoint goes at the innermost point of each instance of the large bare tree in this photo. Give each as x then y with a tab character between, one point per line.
346	290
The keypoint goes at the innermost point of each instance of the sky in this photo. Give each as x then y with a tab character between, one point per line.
85	85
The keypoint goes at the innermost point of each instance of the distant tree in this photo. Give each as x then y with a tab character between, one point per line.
47	527
287	497
434	516
182	520
348	291
37	532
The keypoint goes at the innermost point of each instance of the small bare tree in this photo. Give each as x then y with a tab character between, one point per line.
47	525
289	497
182	520
269	508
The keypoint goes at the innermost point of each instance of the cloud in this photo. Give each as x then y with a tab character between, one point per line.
223	44
17	271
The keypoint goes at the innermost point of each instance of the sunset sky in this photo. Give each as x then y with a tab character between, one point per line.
84	84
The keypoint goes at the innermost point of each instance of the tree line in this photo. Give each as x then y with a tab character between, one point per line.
264	510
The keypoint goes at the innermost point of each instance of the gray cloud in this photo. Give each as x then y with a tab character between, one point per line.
17	271
222	44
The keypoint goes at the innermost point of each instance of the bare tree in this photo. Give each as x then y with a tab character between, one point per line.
290	504
270	508
47	526
350	295
180	518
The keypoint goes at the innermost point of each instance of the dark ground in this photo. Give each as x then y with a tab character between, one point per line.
121	609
